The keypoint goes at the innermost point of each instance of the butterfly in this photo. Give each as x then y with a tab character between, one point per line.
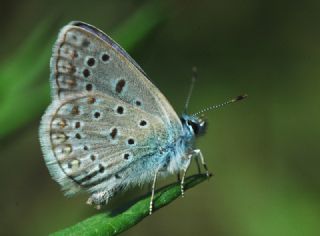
108	127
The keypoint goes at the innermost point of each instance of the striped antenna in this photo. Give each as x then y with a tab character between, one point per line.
236	99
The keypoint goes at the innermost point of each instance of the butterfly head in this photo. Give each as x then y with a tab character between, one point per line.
193	124
196	125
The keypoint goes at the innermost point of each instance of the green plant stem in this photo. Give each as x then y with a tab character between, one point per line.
107	224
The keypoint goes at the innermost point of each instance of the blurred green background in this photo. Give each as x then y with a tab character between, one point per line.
264	151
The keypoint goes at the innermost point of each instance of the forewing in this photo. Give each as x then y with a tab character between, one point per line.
84	58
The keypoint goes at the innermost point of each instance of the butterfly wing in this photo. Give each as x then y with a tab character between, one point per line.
86	59
106	117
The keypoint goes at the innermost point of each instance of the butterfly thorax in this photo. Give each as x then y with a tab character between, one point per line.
192	127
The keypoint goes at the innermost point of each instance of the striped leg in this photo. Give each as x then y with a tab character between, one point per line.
184	174
199	155
152	192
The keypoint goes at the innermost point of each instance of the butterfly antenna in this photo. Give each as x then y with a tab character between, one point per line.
194	77
236	99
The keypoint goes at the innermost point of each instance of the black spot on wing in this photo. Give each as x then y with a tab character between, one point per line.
113	133
119	87
110	41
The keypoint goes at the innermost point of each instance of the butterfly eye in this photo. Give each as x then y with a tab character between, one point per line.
195	127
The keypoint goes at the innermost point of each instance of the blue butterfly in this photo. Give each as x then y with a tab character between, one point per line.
108	127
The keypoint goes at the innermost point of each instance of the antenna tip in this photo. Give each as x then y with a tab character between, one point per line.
240	97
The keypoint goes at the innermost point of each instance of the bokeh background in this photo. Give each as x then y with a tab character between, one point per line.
264	151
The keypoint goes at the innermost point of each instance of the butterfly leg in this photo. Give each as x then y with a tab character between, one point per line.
184	174
152	192
198	153
198	165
